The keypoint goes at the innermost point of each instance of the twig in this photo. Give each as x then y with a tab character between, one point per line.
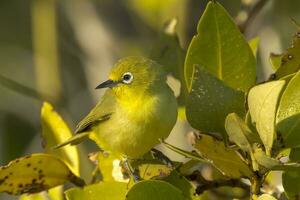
252	14
210	185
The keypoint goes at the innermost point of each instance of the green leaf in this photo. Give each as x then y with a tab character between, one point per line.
291	179
288	114
182	184
238	132
221	157
154	189
262	102
264	160
211	98
102	190
291	184
35	173
275	60
56	131
266	197
253	43
221	49
290	61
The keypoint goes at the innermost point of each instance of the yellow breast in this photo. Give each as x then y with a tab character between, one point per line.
137	124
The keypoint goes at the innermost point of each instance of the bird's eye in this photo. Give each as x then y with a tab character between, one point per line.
127	78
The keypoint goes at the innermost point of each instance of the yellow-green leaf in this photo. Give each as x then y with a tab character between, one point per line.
221	157
262	102
253	43
102	190
275	60
35	173
149	169
56	131
288	114
221	49
266	197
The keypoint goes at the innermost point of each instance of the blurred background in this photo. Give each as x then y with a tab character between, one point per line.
60	50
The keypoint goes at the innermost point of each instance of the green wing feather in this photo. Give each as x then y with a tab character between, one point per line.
101	112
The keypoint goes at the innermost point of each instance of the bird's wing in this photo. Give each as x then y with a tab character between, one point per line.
101	112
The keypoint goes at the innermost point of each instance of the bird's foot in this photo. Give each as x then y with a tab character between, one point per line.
161	157
131	171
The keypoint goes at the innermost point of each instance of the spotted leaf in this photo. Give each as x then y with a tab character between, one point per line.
35	173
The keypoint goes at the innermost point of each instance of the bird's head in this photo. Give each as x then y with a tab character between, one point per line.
132	76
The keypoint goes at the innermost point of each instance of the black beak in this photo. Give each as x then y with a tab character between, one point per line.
107	84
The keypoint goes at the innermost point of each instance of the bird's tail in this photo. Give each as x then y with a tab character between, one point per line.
76	139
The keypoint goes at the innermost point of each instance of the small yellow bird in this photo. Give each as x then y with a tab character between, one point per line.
136	111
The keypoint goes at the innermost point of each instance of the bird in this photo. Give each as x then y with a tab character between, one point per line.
137	109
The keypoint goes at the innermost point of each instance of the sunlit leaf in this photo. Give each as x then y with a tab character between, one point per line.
106	166
253	43
262	102
290	61
56	131
149	169
221	157
102	190
210	101
238	132
275	60
35	173
288	114
38	196
266	197
154	189
221	49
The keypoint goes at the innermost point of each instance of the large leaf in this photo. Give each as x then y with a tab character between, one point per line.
56	131
262	101
210	101
221	49
102	190
221	157
35	173
154	189
288	114
290	61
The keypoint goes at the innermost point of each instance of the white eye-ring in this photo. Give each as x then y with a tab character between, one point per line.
127	78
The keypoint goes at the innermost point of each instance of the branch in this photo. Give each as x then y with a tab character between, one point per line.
252	14
209	185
